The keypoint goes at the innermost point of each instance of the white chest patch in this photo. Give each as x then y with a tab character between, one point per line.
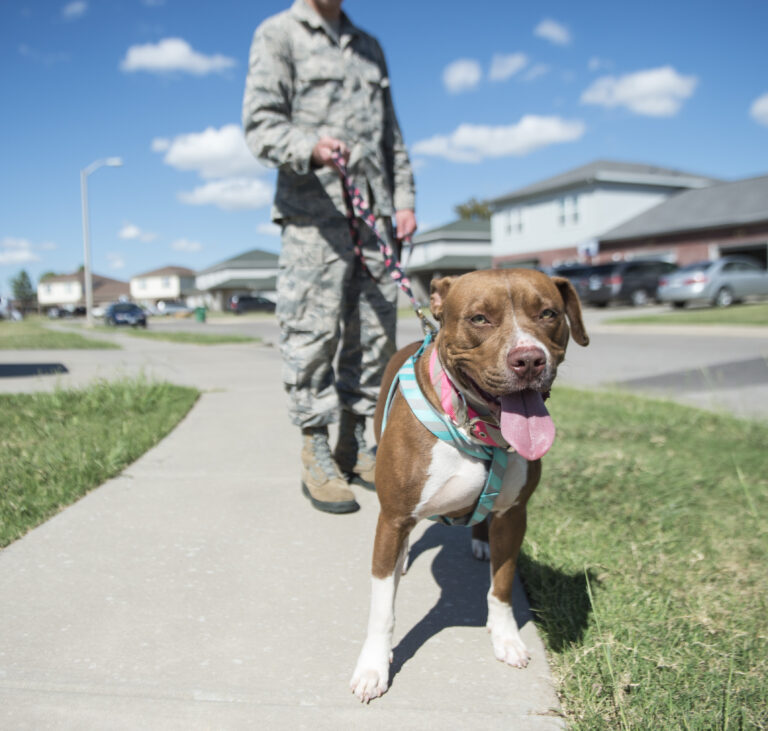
455	481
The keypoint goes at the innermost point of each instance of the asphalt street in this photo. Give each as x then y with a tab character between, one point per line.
717	368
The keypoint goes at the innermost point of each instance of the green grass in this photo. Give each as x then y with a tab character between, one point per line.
646	562
178	336
57	446
32	334
750	314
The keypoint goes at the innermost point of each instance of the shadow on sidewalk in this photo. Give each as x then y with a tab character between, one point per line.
16	370
562	608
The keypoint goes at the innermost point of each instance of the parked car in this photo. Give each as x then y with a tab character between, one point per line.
177	309
578	274
66	311
720	283
125	313
239	303
633	282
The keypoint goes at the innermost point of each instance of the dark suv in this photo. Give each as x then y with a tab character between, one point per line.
625	281
125	313
239	303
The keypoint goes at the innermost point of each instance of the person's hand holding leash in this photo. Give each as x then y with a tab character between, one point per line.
322	152
405	223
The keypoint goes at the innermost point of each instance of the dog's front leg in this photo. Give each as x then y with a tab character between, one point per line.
506	536
371	676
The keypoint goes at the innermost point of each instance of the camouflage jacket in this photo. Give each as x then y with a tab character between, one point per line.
303	83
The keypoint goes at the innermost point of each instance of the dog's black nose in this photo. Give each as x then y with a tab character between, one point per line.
526	362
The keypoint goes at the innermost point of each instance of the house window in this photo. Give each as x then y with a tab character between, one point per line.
575	209
166	282
561	214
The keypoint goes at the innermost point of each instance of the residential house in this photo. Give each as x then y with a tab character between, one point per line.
67	291
169	284
456	248
695	225
253	272
561	219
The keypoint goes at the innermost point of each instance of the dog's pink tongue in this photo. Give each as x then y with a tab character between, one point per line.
526	424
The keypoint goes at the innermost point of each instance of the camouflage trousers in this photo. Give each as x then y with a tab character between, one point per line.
337	323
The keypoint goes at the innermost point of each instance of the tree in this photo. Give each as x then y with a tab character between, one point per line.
473	210
23	291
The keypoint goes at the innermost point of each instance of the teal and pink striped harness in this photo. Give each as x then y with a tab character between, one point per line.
446	430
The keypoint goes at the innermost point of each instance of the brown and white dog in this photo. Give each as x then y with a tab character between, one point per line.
503	334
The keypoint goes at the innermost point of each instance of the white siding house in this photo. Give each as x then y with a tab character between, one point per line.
561	219
67	291
253	272
167	284
456	248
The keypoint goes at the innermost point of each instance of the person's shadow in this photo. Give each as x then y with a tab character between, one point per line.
464	583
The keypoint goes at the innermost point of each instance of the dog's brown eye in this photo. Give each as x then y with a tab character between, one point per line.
479	319
548	315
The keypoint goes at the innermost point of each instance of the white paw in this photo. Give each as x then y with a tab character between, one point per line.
509	647
481	550
371	676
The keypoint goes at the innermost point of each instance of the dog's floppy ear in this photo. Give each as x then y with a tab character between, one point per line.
572	309
438	290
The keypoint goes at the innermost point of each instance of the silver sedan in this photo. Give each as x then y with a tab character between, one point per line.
720	283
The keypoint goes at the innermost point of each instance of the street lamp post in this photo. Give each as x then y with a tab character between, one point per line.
114	162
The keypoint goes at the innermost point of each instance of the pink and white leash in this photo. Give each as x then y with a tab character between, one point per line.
357	208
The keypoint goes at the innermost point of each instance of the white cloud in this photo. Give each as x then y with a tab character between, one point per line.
116	261
186	245
553	32
505	65
462	75
654	93
17	251
213	153
173	54
269	229
535	72
759	110
598	64
473	143
131	232
230	194
74	10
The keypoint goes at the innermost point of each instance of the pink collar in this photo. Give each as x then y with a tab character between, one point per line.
458	410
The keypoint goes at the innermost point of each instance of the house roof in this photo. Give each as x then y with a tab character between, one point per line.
462	229
608	171
254	259
104	288
167	272
452	263
722	205
262	284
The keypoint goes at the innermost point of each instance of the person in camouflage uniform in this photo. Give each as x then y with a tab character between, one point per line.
316	85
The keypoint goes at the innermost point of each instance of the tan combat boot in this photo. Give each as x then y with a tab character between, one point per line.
321	479
352	454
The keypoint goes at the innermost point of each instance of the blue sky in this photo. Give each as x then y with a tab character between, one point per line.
491	95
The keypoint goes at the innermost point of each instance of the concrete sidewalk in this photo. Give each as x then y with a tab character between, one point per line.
199	589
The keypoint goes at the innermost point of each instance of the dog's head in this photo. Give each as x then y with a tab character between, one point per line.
504	332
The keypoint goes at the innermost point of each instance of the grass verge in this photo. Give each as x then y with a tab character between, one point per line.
32	334
179	336
750	314
57	446
645	561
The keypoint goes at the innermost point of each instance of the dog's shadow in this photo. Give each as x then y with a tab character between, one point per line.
464	582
